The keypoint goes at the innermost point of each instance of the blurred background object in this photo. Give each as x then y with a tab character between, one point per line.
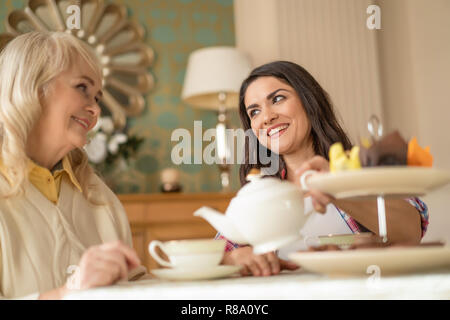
170	180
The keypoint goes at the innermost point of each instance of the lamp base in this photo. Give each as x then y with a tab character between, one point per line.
222	143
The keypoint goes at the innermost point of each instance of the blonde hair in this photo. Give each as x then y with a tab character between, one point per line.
28	64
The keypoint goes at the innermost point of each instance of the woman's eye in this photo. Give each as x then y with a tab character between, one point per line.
253	113
277	98
82	87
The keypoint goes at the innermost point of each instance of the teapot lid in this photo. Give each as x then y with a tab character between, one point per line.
264	188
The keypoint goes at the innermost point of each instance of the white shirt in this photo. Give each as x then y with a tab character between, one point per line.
317	225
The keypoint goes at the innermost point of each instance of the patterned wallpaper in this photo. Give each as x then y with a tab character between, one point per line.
174	28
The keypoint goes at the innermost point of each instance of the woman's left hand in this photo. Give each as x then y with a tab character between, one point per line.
320	200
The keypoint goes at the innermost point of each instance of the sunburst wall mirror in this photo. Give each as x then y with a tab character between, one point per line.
117	41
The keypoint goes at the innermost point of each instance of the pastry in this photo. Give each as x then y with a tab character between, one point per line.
391	150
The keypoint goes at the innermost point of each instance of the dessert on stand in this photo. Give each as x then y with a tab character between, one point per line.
383	167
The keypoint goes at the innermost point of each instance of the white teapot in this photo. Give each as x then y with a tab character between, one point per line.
266	213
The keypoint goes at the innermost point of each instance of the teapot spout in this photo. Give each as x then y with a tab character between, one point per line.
222	224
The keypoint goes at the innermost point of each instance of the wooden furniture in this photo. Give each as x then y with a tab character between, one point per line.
167	217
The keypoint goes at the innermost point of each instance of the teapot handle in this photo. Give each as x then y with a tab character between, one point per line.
303	177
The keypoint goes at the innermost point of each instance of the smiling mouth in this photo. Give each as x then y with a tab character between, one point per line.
83	123
275	132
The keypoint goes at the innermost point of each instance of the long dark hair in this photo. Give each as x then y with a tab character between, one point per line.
325	129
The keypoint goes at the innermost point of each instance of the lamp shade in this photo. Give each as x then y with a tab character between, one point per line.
211	71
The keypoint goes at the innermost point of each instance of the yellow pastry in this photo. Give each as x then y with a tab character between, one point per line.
341	160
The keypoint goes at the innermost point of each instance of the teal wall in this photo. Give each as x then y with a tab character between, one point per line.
174	28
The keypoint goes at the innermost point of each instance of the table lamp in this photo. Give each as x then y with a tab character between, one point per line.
212	81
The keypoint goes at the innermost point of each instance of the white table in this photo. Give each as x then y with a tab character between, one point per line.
285	286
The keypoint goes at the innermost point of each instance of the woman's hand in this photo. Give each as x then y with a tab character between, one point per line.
320	200
103	265
257	265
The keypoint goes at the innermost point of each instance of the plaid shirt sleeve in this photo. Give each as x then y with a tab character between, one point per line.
423	211
229	246
421	207
354	226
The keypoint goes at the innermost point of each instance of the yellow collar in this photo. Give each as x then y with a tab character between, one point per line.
68	168
37	171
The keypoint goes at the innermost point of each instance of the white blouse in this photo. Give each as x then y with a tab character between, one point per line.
41	243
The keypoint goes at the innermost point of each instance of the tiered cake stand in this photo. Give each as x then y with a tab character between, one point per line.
380	183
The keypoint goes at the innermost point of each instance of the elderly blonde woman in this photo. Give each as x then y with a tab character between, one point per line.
61	228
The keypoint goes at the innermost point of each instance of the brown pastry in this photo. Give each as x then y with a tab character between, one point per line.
391	150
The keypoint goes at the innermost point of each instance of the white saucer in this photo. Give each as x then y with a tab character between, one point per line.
196	274
396	180
388	260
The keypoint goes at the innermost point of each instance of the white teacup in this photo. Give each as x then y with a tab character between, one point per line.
189	253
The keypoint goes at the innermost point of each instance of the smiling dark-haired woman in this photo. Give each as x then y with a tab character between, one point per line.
282	101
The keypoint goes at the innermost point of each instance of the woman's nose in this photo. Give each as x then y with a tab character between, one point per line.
94	109
269	116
